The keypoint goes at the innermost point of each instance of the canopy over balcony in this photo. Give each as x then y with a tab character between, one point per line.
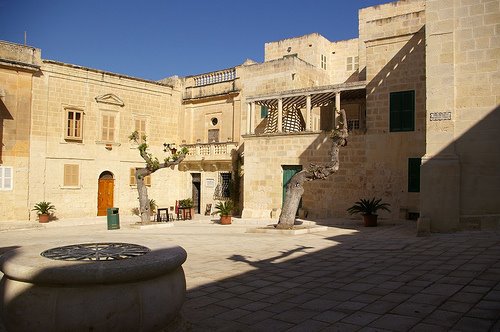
284	106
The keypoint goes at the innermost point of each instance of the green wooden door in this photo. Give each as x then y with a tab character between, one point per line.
288	172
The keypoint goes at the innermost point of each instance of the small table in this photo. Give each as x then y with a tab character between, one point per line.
162	215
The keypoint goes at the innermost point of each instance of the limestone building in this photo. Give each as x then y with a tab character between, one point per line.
419	86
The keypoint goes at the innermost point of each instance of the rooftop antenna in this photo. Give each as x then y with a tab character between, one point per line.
24	38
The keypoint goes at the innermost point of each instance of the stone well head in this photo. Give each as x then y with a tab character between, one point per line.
92	286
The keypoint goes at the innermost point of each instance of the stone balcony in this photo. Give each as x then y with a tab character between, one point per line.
209	156
212	84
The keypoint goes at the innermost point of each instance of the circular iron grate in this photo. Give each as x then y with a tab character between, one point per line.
96	252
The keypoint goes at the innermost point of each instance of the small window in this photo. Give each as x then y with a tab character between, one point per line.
223	188
352	63
352	124
74	122
264	112
213	135
6	178
414	175
108	128
71	175
323	61
140	127
402	111
147	179
214	121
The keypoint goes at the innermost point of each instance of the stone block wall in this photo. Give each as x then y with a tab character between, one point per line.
62	86
21	54
15	113
308	48
463	115
341	50
199	120
279	75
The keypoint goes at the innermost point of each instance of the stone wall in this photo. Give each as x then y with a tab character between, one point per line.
338	70
280	75
20	54
65	86
212	114
15	114
394	36
308	48
460	178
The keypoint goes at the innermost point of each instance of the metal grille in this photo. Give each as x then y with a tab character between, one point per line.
223	189
96	252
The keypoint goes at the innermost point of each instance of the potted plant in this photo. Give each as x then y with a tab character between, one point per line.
224	209
186	207
44	210
368	208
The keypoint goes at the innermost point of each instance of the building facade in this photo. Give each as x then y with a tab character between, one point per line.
419	86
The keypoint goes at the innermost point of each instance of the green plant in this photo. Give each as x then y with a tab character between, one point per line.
186	203
224	208
152	205
368	207
44	208
152	208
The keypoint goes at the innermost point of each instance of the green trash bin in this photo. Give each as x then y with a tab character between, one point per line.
113	218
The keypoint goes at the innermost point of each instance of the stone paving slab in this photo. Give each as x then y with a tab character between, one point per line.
348	278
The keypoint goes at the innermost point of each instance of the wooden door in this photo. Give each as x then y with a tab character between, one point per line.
105	196
288	172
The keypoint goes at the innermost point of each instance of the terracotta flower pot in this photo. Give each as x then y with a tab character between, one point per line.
370	220
225	220
43	218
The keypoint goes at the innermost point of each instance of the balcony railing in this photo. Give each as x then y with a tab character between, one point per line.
215	77
210	151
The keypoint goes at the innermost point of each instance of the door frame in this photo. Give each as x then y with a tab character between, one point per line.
105	177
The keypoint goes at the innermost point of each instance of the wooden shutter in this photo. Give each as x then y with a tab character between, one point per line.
402	111
414	174
108	128
6	176
133	182
132	177
71	175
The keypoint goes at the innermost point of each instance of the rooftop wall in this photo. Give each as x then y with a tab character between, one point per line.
21	54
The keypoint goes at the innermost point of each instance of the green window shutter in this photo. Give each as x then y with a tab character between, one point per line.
414	175
402	111
264	112
408	111
394	104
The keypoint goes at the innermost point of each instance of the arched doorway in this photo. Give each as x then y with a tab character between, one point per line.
105	192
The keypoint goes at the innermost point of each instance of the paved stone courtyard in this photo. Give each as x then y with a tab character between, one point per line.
348	278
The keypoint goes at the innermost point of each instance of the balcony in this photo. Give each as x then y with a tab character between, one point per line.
214	84
208	157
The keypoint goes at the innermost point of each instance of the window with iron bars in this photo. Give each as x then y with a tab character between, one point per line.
352	124
223	188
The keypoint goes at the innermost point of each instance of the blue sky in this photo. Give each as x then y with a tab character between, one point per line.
153	39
